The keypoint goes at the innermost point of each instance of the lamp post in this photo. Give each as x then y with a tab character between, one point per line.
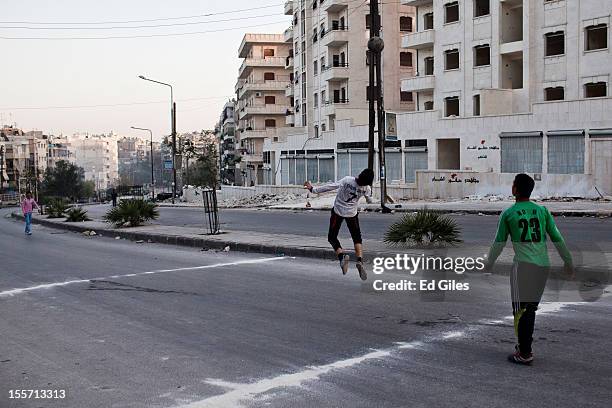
151	154
173	127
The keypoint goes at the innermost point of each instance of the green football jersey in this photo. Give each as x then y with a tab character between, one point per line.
528	224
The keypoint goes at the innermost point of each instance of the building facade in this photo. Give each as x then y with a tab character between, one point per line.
23	157
262	105
498	88
225	130
98	156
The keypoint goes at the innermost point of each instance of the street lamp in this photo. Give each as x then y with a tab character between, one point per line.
173	127
152	172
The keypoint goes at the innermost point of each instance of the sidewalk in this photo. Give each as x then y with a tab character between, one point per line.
296	245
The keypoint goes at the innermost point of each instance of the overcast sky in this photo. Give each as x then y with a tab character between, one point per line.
40	73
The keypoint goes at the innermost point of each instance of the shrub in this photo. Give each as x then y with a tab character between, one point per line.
426	226
133	212
77	214
56	208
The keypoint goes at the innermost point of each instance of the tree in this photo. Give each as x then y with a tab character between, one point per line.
64	180
204	172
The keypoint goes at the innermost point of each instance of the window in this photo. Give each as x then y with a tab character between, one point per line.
451	59
555	43
481	8
322	63
323	127
429	65
405	23
405	96
315	100
482	55
269	76
596	37
314	4
316	131
428	21
268	52
476	105
323	97
303	114
315	35
405	59
566	153
270	100
315	67
556	93
595	90
428	105
368	21
451	106
521	154
451	12
270	123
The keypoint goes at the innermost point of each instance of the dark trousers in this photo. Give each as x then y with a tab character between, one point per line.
335	222
527	283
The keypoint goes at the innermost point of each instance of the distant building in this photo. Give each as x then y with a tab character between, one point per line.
57	150
23	158
98	156
226	134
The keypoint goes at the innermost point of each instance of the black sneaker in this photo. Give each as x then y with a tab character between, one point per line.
362	272
520	358
344	264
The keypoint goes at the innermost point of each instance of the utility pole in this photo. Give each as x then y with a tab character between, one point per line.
173	151
1	169
376	103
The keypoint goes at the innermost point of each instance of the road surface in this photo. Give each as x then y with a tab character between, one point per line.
122	324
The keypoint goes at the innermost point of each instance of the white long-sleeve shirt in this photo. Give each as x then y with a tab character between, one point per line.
347	198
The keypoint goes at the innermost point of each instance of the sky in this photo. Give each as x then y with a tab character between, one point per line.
51	85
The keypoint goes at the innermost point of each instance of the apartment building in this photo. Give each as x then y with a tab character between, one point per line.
226	134
262	105
330	77
58	150
499	87
98	156
24	157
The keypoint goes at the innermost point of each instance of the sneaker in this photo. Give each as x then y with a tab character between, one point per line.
362	272
344	264
520	358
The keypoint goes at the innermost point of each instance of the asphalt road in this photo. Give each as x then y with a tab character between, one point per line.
475	229
208	329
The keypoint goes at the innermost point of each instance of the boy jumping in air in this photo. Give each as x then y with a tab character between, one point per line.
527	224
350	190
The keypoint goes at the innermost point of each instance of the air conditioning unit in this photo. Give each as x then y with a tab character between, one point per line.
258	94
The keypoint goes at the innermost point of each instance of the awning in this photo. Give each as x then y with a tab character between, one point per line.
521	134
565	133
600	133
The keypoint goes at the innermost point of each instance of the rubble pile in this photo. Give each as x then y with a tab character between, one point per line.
262	200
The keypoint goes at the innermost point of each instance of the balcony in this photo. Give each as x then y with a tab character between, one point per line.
418	83
288	35
289	91
289	8
290	119
419	40
262	110
259	86
338	72
257	134
335	37
329	107
334	6
252	158
268	62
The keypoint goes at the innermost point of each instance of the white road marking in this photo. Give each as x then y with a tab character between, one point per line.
240	393
19	291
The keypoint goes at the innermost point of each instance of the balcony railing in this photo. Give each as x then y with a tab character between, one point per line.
336	72
335	36
333	6
418	83
288	35
419	40
289	7
260	62
255	86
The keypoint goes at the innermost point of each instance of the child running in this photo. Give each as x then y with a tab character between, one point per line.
27	206
350	190
527	224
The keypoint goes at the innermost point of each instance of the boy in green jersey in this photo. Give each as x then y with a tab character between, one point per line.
527	224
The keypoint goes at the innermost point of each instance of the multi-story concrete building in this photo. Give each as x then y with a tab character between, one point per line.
226	134
98	156
262	106
330	75
58	150
24	158
500	87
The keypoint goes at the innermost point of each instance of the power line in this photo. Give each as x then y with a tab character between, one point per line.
141	21
140	26
109	105
122	37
